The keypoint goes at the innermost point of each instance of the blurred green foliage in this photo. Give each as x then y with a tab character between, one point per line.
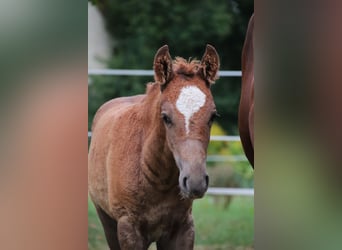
139	28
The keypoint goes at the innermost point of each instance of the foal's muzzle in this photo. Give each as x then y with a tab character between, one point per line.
191	161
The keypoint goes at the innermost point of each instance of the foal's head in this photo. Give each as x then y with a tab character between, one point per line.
187	110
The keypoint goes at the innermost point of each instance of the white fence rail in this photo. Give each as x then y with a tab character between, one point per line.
225	158
225	138
213	158
230	191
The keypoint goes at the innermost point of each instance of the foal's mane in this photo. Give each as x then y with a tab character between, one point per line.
186	67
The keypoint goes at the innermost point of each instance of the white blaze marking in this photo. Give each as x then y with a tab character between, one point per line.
189	101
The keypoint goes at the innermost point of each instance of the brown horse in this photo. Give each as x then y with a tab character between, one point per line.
147	158
246	108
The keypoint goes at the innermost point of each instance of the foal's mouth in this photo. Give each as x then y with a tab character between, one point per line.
185	194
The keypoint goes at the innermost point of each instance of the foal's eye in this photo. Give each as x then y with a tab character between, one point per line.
213	117
167	120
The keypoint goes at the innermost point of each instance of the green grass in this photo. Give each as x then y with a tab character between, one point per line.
96	237
215	225
216	228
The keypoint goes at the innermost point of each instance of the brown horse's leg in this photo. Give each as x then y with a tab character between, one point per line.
110	229
129	236
182	237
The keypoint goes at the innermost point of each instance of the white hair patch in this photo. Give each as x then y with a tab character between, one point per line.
189	101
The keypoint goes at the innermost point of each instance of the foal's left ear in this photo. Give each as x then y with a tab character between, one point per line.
162	66
210	64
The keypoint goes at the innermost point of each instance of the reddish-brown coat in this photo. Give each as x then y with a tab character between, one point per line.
133	174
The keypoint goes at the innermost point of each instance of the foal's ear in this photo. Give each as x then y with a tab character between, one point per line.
210	64
162	66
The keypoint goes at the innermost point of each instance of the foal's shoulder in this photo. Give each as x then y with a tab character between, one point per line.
116	105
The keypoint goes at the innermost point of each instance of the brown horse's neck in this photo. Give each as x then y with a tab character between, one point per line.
159	166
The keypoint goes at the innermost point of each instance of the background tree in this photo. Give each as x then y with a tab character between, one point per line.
139	28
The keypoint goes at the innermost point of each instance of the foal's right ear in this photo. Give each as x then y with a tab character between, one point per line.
162	66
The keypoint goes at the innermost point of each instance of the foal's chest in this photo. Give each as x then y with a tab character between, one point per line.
162	219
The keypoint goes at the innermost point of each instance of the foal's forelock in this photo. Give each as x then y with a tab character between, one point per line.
188	68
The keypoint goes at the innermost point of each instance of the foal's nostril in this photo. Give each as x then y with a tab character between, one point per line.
206	180
184	181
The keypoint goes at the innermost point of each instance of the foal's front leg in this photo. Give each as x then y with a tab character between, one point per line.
182	238
129	237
